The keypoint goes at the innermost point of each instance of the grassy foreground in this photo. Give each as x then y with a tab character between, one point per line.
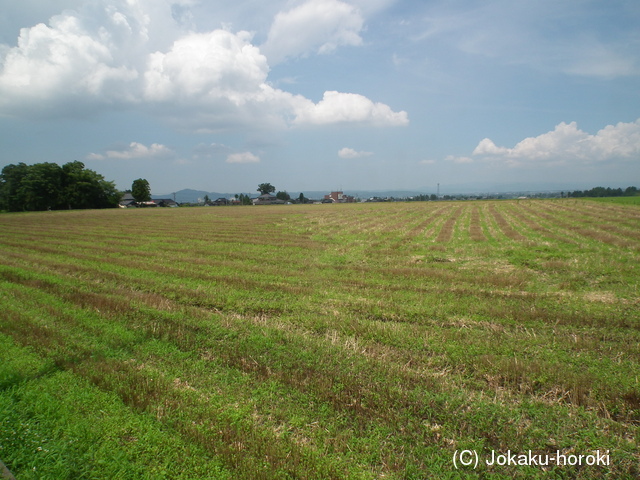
324	341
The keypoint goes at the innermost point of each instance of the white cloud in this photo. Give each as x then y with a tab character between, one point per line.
336	107
53	66
317	25
567	143
347	152
134	54
487	147
244	157
207	66
134	151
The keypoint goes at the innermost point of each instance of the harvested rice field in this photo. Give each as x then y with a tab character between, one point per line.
480	339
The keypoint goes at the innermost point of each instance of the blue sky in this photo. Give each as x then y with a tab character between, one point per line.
321	94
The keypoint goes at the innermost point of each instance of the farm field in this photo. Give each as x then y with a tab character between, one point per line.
623	200
354	341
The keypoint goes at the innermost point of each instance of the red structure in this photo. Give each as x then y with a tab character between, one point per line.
339	197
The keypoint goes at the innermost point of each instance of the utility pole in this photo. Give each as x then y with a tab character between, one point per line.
438	194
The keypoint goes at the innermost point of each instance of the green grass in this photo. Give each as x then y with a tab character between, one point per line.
621	200
322	341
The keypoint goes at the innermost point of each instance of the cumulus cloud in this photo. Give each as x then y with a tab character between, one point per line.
317	25
351	153
118	54
73	59
210	66
244	157
336	107
567	143
134	151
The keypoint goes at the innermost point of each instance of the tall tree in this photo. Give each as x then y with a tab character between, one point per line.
140	190
266	188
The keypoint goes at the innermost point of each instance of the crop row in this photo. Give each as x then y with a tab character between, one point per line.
339	341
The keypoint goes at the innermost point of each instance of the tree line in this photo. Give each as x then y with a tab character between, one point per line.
49	186
605	192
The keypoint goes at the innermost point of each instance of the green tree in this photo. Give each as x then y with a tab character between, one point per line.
83	188
42	187
266	188
283	196
302	198
140	190
11	195
244	199
207	200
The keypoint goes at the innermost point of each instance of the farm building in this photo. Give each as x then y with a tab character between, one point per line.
267	199
164	202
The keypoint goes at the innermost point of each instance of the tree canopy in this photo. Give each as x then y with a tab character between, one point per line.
283	196
140	190
266	188
44	186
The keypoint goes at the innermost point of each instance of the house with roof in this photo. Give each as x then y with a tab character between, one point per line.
268	199
338	197
164	202
127	200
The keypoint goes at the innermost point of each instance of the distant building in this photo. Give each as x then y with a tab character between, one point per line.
339	197
164	202
127	200
268	199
